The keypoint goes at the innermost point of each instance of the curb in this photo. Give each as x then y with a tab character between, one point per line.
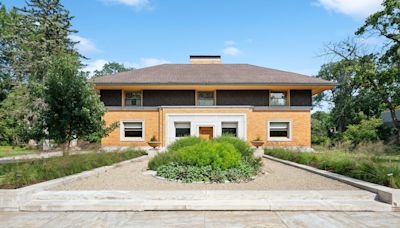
13	199
385	194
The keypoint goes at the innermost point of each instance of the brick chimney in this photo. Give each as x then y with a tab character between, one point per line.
205	59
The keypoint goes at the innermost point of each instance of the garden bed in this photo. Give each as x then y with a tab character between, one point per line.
378	169
223	159
20	174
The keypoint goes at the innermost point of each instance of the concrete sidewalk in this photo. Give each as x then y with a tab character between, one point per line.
200	219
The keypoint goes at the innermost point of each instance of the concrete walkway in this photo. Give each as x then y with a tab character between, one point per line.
200	219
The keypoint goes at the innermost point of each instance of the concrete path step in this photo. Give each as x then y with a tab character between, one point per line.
205	200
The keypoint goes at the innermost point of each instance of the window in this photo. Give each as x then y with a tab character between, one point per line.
278	99
133	98
279	131
205	98
132	131
229	128
182	129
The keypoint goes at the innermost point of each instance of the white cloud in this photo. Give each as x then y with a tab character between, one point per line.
232	51
229	42
355	8
85	46
91	66
132	3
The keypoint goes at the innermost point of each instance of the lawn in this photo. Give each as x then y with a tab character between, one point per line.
19	174
383	169
8	151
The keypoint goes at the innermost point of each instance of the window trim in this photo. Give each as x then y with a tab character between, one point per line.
280	139
122	137
206	91
130	91
287	100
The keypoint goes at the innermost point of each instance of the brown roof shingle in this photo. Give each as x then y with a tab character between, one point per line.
209	74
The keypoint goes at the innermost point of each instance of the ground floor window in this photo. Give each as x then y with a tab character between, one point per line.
229	128
182	129
279	130
132	130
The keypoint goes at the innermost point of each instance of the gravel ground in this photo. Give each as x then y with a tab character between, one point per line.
277	176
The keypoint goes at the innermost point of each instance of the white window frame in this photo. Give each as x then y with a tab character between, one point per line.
130	139
280	139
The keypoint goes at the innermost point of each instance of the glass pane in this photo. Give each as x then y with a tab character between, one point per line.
133	133
274	133
205	98
279	125
182	124
182	132
132	125
229	131
229	124
133	98
278	98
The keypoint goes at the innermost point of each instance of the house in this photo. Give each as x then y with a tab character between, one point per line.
206	98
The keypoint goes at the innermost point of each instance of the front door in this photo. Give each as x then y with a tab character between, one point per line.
206	132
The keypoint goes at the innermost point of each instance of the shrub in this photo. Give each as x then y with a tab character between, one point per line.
366	131
239	144
187	141
218	155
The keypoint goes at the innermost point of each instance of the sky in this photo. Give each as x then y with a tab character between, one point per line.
282	34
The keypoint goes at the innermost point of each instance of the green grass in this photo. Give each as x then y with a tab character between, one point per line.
383	169
9	151
15	175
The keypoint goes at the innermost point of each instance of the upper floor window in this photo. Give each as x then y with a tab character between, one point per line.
205	98
133	98
278	99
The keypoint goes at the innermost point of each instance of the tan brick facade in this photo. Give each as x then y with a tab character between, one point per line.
257	124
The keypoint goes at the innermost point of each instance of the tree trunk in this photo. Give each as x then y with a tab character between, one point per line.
396	124
66	148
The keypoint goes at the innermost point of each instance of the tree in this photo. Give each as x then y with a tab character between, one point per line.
74	110
366	131
385	23
320	125
111	68
386	80
43	30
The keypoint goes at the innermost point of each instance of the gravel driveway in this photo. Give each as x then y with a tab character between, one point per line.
277	176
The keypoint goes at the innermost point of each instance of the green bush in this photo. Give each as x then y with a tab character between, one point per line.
193	159
184	142
366	131
218	155
14	175
240	145
204	153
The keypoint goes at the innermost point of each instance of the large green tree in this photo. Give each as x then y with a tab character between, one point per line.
385	81
74	110
111	68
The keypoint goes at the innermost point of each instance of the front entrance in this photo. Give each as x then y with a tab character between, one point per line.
206	133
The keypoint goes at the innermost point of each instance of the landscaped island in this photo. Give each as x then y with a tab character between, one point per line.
219	160
383	169
19	174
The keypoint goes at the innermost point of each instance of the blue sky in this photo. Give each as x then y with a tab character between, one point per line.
281	34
